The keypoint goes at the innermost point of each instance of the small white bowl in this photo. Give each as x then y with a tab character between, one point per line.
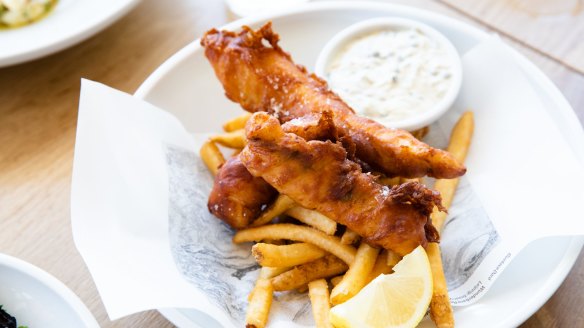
37	299
354	32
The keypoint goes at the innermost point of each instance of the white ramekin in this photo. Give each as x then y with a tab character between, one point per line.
340	40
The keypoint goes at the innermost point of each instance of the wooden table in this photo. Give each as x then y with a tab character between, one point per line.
38	114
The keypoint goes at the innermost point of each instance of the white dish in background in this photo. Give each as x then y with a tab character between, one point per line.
70	22
242	8
340	41
186	86
37	299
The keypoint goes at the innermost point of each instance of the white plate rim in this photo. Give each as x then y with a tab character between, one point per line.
54	284
106	18
564	109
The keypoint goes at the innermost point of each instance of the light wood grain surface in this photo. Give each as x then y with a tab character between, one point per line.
38	116
554	28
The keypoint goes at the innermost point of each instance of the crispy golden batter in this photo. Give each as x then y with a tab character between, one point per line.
237	197
313	126
264	78
317	175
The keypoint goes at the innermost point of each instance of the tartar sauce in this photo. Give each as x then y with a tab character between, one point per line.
391	75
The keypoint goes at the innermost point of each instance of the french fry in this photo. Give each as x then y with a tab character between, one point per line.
235	152
404	180
259	305
381	267
458	146
268	273
392	258
336	280
212	156
319	299
313	219
350	237
301	275
274	241
235	139
389	181
295	232
302	289
440	307
446	187
356	277
461	136
280	205
421	132
236	123
285	255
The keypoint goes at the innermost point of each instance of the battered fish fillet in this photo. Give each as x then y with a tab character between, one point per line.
237	197
264	78
317	175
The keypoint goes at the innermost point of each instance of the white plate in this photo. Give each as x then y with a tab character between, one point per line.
70	22
37	299
186	86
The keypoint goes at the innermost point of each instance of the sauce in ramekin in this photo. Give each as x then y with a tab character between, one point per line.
391	75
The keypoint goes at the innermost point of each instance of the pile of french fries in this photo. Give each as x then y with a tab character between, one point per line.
315	253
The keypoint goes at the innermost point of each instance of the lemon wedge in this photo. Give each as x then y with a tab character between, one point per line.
400	299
